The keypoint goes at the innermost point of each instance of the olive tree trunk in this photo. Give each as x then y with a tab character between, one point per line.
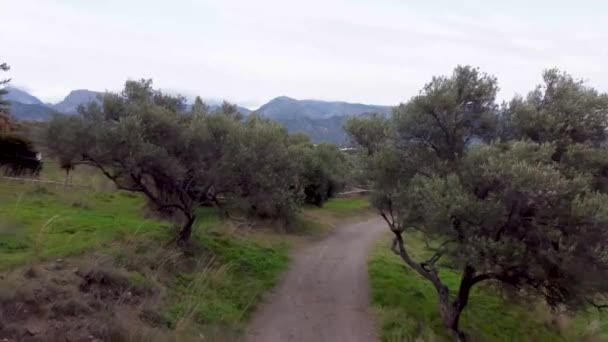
186	231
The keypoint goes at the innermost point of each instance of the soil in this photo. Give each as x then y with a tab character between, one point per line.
325	294
64	301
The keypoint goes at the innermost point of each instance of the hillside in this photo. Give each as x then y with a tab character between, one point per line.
330	129
76	98
322	120
18	95
284	107
216	106
31	112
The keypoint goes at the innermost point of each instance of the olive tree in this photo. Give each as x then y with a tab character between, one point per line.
523	212
62	136
323	169
264	174
143	141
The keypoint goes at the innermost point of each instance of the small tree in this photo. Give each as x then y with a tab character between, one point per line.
142	140
62	135
523	214
17	156
322	168
264	173
5	122
324	173
199	107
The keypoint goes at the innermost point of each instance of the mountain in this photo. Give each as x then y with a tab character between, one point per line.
240	109
30	112
76	98
18	95
322	120
244	110
284	108
330	129
27	107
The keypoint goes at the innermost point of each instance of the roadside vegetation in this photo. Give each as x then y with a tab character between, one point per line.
87	261
88	238
511	197
405	307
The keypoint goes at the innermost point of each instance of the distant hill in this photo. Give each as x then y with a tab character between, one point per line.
27	107
330	129
18	95
240	109
284	108
31	112
244	110
76	98
322	120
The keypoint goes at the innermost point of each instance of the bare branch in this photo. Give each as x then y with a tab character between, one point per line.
440	251
431	275
598	307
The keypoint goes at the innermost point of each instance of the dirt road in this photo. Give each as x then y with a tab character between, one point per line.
325	294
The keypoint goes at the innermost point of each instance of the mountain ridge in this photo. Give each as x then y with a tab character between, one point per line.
76	98
321	120
19	95
284	107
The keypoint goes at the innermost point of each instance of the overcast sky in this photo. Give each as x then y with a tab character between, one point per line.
372	51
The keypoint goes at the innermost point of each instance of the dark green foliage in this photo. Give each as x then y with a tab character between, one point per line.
368	132
265	176
322	169
17	156
141	141
527	212
199	106
63	133
324	173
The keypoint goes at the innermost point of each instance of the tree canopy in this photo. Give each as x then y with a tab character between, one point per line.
323	169
145	141
514	195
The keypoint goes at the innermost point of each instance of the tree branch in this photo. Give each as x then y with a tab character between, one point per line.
598	307
431	275
438	254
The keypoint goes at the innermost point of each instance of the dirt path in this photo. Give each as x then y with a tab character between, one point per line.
325	294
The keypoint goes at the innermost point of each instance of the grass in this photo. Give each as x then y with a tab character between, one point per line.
230	287
406	306
38	222
210	290
346	205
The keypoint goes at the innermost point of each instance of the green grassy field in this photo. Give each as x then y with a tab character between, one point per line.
406	307
42	222
211	290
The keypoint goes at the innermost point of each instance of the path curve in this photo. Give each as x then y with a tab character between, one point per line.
325	294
